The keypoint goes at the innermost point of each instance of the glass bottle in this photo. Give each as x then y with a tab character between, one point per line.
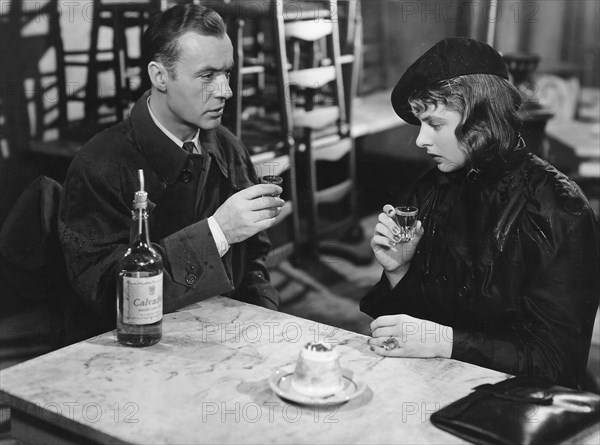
140	282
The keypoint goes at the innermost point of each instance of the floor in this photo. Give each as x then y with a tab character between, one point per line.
328	289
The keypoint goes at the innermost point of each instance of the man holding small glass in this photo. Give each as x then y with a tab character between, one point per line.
502	271
208	211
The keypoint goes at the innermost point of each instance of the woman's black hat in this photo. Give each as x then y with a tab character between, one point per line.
447	59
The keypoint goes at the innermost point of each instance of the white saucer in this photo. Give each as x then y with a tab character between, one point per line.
280	383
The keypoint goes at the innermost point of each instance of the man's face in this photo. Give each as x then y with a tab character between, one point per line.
437	136
196	96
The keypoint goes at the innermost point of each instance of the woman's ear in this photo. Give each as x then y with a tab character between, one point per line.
158	75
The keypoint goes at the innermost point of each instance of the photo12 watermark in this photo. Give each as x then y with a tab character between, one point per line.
268	412
467	12
269	331
87	412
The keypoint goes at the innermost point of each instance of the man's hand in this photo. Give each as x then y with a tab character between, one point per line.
249	211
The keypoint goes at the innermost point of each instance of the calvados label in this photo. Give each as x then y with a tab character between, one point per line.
143	299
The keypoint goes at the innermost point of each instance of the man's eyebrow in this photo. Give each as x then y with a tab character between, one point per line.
214	69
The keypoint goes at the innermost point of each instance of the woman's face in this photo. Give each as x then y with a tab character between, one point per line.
438	124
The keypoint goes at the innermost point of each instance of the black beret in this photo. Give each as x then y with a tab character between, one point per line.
447	59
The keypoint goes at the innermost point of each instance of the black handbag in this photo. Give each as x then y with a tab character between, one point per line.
520	410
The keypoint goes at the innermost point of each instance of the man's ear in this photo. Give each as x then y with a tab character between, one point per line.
158	75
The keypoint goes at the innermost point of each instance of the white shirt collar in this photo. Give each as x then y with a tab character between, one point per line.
179	142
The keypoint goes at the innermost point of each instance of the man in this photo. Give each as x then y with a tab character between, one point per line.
207	214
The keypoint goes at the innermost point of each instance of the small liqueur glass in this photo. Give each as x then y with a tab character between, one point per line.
272	179
406	219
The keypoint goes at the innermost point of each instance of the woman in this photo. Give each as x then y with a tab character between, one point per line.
502	271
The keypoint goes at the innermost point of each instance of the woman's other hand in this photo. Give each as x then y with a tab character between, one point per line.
406	336
394	256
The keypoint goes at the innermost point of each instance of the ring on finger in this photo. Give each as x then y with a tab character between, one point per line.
390	343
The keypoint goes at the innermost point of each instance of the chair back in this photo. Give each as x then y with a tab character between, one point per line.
33	263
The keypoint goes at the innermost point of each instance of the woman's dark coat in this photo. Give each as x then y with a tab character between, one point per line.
509	260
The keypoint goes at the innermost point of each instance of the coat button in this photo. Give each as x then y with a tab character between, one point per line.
186	175
464	292
427	277
191	278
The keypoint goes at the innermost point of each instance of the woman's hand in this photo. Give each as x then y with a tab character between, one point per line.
406	336
393	255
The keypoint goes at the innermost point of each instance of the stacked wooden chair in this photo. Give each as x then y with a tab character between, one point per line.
289	55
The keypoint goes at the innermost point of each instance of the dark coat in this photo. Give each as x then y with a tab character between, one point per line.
510	260
184	190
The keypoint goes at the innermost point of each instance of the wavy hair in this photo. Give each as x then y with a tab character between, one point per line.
161	39
488	104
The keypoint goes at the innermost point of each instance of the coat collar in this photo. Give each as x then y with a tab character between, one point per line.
210	144
491	172
164	155
498	167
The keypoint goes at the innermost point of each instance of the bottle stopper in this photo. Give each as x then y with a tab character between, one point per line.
140	200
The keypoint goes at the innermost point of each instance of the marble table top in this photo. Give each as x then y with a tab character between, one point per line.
207	382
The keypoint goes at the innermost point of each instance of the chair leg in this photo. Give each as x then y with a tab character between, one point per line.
294	196
119	44
313	205
91	89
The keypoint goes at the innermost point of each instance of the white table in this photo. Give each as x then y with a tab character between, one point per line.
207	382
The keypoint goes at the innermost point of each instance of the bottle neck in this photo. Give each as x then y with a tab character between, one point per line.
139	227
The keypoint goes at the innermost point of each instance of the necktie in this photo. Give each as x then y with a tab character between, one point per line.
186	174
189	146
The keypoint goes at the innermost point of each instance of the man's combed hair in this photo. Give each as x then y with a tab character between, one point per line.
160	42
488	105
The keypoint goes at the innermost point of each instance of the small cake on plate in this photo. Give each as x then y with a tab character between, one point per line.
318	372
